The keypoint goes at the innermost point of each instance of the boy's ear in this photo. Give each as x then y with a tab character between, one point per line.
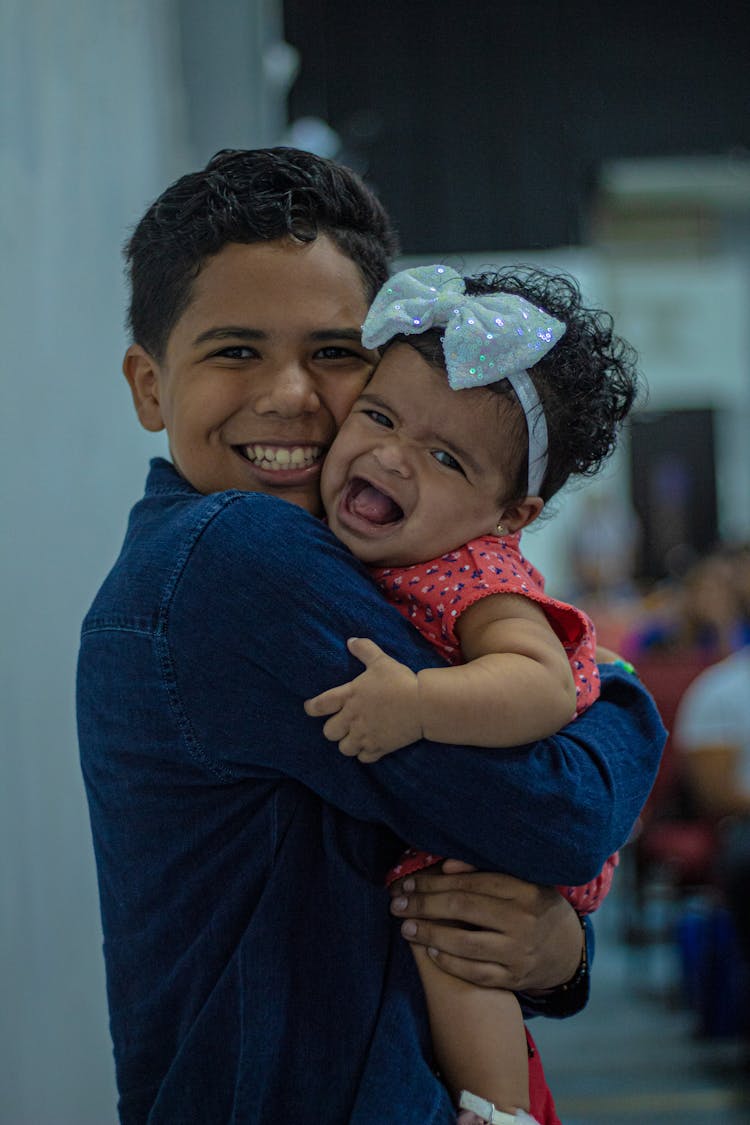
142	373
517	516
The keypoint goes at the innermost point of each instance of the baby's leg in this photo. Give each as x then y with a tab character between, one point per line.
478	1037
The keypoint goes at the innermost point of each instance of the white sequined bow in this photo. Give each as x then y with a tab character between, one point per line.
487	338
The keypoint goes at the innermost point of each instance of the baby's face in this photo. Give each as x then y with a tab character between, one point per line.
417	468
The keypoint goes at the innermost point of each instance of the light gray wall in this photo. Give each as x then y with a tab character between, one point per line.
92	124
95	119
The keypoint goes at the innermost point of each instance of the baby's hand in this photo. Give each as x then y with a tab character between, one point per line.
374	714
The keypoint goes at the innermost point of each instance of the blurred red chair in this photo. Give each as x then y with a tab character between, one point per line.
672	849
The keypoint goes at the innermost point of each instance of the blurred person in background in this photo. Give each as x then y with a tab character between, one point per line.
713	729
699	616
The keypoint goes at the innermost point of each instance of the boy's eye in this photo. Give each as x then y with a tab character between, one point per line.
446	459
236	351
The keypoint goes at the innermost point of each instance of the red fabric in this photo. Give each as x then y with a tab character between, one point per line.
433	595
542	1106
589	897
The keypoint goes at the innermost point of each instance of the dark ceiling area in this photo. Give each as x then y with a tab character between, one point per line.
483	125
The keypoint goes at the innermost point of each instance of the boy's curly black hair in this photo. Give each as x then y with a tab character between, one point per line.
246	196
587	382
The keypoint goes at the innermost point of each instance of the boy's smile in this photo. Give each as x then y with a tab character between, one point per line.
419	469
260	370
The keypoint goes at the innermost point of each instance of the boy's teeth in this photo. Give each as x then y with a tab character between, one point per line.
268	458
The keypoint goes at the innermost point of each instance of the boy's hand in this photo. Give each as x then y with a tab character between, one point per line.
374	714
490	929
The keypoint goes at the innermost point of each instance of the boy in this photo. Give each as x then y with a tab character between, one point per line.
240	857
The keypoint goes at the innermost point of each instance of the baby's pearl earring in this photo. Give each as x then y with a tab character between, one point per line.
502	530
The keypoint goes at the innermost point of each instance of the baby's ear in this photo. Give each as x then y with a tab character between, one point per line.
142	373
517	516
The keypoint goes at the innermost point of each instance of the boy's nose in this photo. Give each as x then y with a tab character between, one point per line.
288	392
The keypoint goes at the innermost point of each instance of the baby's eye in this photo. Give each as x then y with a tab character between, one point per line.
379	419
446	459
334	351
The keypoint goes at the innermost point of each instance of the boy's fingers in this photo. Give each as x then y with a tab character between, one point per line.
456	867
483	974
470	945
490	883
452	906
364	650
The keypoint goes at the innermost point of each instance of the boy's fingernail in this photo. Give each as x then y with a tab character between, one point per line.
399	903
432	951
409	929
408	884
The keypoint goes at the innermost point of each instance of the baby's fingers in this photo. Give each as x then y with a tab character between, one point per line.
365	650
336	728
350	745
328	702
369	756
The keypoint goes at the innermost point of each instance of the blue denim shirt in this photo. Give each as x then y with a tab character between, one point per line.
254	972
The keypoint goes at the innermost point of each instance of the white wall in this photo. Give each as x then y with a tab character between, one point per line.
91	127
689	319
94	122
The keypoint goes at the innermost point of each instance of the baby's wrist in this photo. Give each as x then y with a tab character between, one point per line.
422	702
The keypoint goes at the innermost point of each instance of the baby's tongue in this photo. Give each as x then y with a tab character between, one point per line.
373	505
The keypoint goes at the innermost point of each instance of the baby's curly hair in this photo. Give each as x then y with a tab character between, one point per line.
587	382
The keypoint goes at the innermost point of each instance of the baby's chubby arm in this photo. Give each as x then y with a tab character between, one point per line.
516	687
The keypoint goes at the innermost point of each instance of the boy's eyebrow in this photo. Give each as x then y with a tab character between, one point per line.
238	332
223	332
458	451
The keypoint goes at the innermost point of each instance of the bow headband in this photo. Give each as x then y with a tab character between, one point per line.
487	338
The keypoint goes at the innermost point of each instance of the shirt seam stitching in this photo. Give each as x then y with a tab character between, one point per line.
161	638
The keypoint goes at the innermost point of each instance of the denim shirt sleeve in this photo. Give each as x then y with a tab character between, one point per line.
257	622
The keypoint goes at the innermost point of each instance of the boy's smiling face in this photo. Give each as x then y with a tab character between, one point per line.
419	469
260	370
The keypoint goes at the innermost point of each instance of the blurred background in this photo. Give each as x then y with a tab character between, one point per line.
609	141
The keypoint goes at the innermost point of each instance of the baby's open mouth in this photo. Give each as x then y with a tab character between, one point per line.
367	502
